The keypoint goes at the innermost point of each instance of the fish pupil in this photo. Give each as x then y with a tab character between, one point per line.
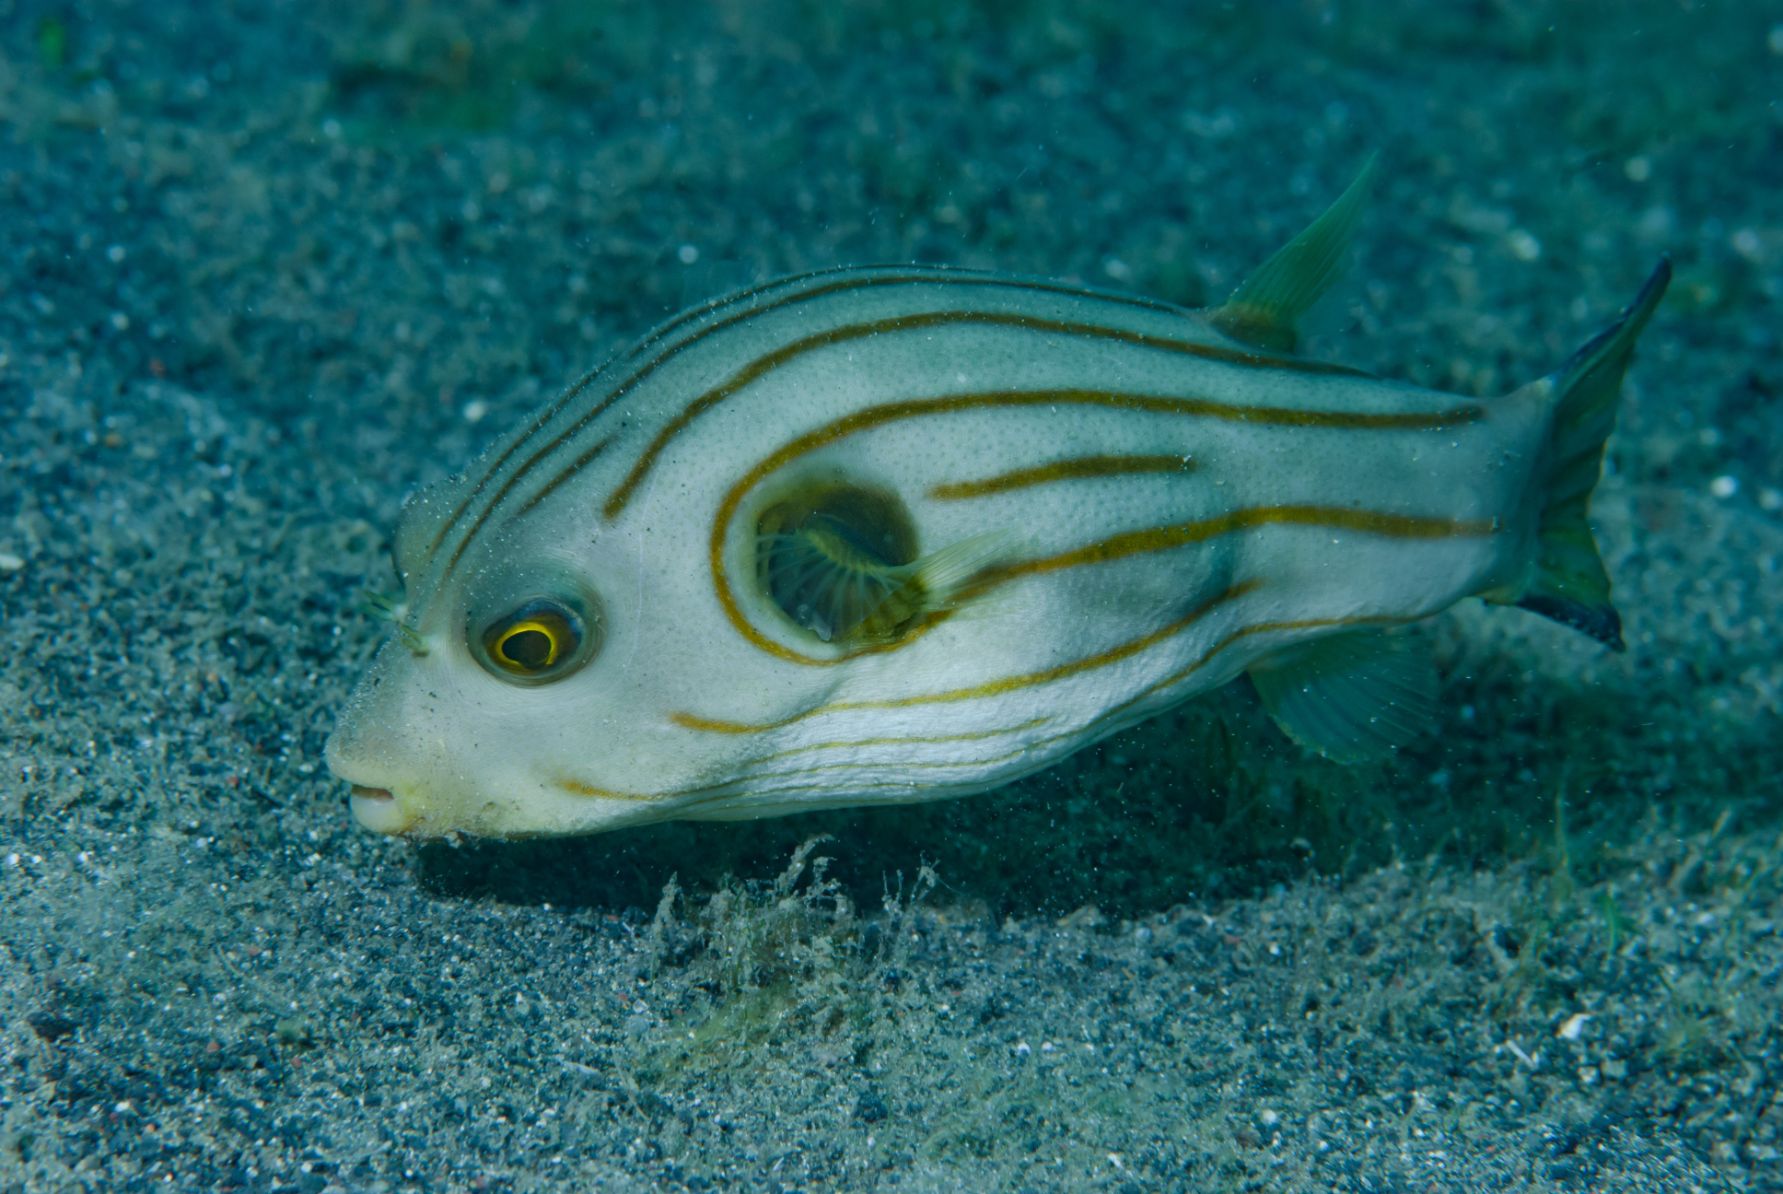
529	649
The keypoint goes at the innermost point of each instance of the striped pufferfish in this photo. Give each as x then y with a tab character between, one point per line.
890	534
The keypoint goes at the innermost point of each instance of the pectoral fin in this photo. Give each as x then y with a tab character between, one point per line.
1265	308
840	561
1350	697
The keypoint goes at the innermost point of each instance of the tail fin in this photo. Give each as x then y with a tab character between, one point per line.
1569	583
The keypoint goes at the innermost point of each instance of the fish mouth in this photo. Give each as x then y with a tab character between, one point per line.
378	810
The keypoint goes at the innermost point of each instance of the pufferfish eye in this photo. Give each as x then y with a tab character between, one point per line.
539	641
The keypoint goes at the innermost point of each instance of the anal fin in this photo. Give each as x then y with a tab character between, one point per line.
1353	696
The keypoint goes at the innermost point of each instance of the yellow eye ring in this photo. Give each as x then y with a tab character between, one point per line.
529	646
542	640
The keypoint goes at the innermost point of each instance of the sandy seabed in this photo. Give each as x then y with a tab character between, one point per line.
268	266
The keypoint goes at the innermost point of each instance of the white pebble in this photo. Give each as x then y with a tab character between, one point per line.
1573	1025
1524	246
1724	486
687	254
474	410
10	562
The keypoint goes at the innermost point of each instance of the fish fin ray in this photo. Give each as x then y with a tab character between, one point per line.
1567	580
1352	696
949	573
1265	309
845	595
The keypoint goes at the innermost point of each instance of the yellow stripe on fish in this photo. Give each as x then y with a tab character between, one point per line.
893	533
1074	468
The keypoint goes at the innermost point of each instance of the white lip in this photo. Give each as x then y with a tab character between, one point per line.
379	811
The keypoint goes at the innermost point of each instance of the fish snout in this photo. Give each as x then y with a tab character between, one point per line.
374	798
378	810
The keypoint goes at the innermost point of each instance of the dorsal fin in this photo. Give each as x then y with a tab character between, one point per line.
1265	308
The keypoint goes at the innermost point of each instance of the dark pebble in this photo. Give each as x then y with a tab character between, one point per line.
871	1108
49	1026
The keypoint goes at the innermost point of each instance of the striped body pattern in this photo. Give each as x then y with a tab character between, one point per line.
891	534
